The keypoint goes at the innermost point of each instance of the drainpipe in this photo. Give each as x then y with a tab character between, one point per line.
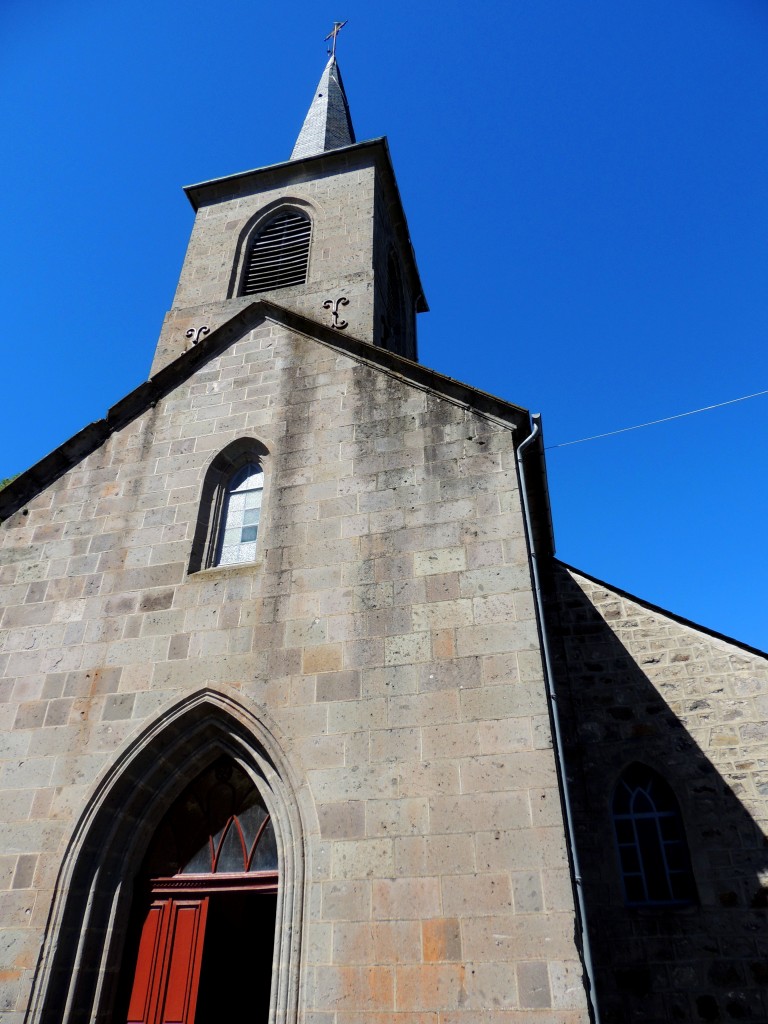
581	911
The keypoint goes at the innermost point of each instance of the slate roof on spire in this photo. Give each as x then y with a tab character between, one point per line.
328	124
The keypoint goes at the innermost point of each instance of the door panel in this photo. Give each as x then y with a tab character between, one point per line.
168	965
187	928
149	964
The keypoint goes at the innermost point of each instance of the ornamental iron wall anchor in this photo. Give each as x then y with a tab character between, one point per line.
338	324
192	333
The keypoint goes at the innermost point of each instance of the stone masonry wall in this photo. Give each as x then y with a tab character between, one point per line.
398	319
386	634
340	257
637	685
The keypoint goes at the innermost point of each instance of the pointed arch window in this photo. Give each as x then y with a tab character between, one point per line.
278	256
653	851
241	513
219	825
177	788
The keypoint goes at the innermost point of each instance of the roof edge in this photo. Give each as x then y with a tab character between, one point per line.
52	466
380	145
664	611
329	154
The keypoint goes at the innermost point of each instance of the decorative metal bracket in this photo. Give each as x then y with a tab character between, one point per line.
195	333
338	324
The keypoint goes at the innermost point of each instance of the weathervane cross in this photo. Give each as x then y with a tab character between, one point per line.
337	27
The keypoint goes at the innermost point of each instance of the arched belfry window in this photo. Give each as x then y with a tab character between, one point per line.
278	255
204	917
230	512
653	851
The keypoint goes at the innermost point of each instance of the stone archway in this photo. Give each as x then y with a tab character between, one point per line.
86	937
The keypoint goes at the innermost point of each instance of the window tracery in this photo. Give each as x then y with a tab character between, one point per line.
653	851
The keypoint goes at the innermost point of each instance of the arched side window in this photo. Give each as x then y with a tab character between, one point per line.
653	851
229	517
240	516
278	256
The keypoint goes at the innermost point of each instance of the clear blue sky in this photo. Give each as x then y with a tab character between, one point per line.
586	191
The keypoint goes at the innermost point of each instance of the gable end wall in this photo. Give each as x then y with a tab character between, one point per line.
386	636
638	686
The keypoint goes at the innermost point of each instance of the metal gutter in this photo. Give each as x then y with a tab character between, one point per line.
581	910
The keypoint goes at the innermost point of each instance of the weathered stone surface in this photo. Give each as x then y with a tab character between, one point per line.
638	685
385	642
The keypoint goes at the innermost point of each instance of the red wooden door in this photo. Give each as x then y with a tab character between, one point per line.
168	966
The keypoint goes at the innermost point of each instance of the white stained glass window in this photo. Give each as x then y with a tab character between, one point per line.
240	516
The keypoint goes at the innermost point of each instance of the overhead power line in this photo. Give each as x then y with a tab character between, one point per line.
652	423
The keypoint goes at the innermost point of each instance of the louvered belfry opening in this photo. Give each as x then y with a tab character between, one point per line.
279	254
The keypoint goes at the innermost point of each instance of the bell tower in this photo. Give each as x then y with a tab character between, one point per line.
322	234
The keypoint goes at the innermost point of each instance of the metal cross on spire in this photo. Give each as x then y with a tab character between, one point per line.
337	27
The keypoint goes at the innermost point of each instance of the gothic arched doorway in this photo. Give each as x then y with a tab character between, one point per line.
203	925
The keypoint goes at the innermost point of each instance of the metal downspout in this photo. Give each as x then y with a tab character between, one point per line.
586	952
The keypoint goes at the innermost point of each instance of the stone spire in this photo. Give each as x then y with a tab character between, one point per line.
328	124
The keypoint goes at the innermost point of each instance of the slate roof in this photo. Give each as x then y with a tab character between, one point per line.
328	124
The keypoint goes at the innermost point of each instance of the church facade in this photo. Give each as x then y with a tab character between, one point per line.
302	719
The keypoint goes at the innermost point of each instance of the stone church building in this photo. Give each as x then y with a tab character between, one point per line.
302	720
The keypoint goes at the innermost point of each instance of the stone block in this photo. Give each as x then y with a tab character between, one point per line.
363	858
403	816
521	848
407	649
524	937
496	639
433	987
452	740
476	895
402	899
533	985
332	685
481	812
324	658
342	820
395	745
346	900
439	560
566	984
527	892
532	769
441	940
354	987
442	615
423	708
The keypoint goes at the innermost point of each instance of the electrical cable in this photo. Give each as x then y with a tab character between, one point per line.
651	423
